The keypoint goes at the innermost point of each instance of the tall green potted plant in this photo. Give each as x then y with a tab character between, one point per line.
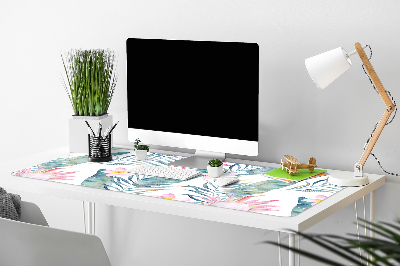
90	83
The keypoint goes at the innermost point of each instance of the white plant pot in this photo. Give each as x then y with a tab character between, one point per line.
78	131
215	171
141	155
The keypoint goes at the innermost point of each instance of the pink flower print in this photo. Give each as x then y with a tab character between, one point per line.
51	175
317	199
243	204
169	196
35	174
118	172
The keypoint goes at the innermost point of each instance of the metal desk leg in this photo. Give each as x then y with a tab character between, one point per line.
292	243
298	247
89	217
372	210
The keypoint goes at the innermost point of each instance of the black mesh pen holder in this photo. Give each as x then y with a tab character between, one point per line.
99	149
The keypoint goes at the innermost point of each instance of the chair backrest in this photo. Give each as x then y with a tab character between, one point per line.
32	214
23	243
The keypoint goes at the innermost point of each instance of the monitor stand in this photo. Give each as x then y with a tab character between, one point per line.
199	160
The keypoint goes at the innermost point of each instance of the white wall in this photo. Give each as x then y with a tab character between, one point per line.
295	117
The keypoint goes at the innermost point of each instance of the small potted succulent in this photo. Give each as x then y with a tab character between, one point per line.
141	150
215	168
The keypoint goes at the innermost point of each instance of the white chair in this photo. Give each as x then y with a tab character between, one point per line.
32	214
32	243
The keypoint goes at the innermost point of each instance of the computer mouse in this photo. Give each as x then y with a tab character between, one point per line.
225	181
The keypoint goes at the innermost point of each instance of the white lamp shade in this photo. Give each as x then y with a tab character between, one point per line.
326	67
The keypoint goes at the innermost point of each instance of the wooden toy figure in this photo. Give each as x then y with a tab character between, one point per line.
293	164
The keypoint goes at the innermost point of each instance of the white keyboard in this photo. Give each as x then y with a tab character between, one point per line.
163	171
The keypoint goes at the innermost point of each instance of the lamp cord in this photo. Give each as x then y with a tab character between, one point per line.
387	123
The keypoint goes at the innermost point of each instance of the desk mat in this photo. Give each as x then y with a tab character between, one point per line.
255	192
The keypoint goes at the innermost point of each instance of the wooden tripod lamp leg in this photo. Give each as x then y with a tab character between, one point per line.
389	109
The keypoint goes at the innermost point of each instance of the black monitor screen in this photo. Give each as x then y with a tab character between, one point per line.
193	87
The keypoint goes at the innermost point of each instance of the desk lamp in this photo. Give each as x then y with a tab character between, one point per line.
323	70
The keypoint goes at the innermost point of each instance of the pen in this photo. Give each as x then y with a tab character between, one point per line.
89	127
106	132
99	130
112	129
90	132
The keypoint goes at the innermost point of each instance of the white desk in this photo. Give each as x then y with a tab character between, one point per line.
297	223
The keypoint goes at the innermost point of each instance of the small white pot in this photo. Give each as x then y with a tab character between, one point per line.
141	155
215	171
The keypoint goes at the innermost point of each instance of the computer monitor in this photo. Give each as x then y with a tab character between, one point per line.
199	95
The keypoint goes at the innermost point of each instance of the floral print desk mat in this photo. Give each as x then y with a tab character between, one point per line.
255	191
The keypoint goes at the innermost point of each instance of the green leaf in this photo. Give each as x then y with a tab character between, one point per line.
382	251
91	79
